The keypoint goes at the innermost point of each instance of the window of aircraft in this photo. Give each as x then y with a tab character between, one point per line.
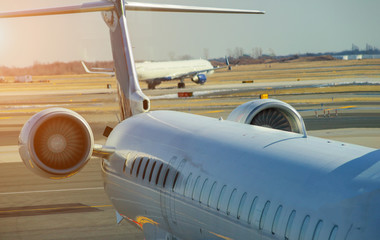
175	181
289	224
166	177
159	172
151	171
252	210
178	181
146	166
133	165
317	230
203	189
187	184
241	205
276	219
333	233
138	168
195	187
264	215
305	224
220	199
212	190
230	201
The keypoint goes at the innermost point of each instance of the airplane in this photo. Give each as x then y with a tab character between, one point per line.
153	73
255	175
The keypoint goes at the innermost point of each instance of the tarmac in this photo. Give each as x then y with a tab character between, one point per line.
77	208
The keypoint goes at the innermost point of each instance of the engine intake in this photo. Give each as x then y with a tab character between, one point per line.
199	78
269	113
56	143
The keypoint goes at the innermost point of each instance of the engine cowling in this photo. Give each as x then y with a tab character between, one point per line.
199	78
56	143
269	113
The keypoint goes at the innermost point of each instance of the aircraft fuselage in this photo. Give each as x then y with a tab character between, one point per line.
204	178
170	69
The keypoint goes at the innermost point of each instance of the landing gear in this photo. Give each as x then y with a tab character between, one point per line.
181	85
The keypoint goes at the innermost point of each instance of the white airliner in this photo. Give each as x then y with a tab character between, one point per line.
256	175
153	73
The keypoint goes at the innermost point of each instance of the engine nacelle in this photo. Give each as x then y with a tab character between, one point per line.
56	143
199	78
269	113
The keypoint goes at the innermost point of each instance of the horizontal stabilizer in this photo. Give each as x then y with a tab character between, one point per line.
153	7
132	6
82	8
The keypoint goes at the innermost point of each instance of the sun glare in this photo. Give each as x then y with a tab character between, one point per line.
1	37
2	43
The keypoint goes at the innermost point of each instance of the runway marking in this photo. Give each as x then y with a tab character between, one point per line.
3	118
216	111
54	190
49	209
348	107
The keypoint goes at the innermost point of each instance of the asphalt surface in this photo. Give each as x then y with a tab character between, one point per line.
77	208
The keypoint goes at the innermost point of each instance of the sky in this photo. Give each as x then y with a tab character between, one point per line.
288	27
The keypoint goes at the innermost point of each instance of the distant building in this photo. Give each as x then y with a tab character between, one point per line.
2	79
345	57
24	79
359	57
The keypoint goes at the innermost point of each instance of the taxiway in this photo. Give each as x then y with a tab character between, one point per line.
77	208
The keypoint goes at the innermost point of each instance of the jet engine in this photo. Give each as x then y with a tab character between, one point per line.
56	143
269	113
199	78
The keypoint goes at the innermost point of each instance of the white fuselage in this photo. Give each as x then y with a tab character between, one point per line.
170	69
216	179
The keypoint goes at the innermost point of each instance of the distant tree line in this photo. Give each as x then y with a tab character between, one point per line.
236	56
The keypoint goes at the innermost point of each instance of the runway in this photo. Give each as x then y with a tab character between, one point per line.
77	208
343	109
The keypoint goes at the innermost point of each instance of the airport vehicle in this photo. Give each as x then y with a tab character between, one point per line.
24	79
256	175
153	73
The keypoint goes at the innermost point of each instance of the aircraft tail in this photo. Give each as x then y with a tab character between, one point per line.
227	61
132	99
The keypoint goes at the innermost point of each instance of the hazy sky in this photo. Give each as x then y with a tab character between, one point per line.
293	26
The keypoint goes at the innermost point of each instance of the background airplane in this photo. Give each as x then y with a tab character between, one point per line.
153	73
184	176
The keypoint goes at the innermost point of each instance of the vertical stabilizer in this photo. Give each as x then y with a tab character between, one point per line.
132	99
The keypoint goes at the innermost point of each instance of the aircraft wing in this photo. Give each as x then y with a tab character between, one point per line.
106	71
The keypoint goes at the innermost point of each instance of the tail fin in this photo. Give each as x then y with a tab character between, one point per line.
227	63
132	99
